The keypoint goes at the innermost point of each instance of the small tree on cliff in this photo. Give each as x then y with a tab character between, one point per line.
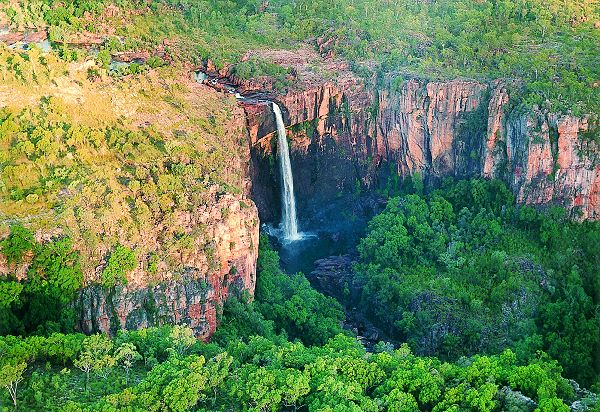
121	261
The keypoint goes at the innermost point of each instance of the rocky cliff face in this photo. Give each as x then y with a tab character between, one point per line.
192	294
168	183
347	134
208	250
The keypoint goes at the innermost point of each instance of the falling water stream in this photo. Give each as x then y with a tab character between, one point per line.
289	222
288	229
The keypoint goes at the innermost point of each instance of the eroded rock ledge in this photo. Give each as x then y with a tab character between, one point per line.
345	132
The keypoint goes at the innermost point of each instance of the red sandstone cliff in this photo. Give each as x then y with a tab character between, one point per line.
192	297
453	128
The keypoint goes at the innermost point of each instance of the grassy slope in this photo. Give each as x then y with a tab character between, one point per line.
111	160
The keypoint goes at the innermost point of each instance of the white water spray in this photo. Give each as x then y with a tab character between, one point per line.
289	223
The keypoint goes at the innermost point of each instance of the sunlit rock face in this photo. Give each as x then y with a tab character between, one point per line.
348	134
190	284
194	294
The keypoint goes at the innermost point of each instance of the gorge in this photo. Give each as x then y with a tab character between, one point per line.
315	206
343	138
354	141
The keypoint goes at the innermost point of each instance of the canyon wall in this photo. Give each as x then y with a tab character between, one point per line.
348	135
208	250
161	217
193	290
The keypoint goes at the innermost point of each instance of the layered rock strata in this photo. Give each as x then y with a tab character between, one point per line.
342	136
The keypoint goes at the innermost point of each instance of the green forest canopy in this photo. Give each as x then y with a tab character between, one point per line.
252	364
553	45
463	270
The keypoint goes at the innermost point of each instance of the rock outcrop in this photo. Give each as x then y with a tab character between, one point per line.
346	133
176	202
194	294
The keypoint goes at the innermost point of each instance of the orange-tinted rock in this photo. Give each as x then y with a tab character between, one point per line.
193	295
83	39
11	38
36	36
127	57
495	131
192	282
343	131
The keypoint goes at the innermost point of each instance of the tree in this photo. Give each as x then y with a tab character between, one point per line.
9	293
294	385
183	338
218	370
183	393
120	262
126	355
19	242
85	362
10	377
96	356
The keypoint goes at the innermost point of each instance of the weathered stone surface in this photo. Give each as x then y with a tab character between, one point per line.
188	302
585	399
335	277
346	132
128	57
192	293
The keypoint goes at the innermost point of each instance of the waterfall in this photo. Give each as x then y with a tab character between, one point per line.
289	223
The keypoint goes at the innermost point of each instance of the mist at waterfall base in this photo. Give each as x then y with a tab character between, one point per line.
300	256
336	227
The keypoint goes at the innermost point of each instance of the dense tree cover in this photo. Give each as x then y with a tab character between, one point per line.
552	45
462	271
251	364
292	303
284	306
167	369
40	302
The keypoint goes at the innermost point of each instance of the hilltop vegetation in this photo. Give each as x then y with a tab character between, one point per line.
553	46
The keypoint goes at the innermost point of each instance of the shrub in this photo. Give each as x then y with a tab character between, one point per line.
121	261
